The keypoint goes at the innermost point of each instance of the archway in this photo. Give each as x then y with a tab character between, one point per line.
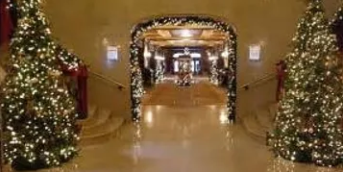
137	89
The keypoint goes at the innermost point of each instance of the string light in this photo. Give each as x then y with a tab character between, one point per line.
137	89
214	69
38	109
309	122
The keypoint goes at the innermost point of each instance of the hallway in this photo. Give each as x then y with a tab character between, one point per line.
72	82
169	94
181	137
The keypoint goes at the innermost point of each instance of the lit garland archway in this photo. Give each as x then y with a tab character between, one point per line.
137	89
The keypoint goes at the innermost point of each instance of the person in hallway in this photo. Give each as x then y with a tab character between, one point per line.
147	77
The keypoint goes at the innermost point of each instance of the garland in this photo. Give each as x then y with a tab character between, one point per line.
214	73
137	89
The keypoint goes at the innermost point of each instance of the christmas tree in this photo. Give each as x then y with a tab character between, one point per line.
37	108
308	125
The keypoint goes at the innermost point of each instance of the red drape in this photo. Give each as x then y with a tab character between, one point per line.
281	75
82	92
80	75
6	23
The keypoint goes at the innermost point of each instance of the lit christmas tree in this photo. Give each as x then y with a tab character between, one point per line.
38	111
308	125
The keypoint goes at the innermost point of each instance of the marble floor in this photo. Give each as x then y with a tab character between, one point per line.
199	94
183	137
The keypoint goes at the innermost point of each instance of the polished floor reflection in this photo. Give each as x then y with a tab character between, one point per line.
182	137
198	94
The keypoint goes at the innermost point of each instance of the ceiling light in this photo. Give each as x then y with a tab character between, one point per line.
177	55
186	33
196	55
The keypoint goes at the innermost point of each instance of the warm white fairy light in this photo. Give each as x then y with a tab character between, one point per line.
309	122
137	89
38	110
214	70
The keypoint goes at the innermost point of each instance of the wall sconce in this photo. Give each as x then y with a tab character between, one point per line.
113	53
255	53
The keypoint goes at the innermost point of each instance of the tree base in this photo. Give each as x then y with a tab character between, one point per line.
21	164
306	157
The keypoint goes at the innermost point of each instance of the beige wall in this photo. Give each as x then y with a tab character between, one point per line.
3	55
82	24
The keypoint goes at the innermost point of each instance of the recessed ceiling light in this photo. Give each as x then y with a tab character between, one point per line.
186	33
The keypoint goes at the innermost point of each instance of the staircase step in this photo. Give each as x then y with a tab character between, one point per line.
100	127
92	111
251	124
93	117
273	110
104	135
102	117
264	119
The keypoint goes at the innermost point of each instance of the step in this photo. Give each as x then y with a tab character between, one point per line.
257	136
264	119
260	122
92	118
105	135
102	117
91	111
252	126
105	122
273	110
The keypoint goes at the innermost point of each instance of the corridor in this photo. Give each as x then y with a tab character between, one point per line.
184	129
169	94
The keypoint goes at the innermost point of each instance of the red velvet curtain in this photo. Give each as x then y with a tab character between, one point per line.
79	76
6	25
281	75
82	92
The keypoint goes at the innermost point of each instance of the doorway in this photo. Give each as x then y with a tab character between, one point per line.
139	50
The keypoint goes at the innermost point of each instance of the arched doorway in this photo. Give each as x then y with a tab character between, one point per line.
137	89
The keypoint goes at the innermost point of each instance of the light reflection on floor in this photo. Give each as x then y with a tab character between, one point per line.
183	139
